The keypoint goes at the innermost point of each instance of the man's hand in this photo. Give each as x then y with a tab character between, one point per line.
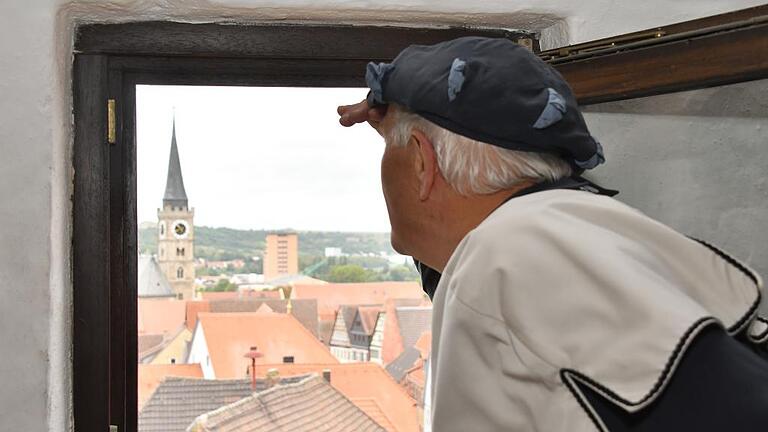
350	115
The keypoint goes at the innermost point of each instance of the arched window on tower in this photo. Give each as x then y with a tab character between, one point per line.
180	273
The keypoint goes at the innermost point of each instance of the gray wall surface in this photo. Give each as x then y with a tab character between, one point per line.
696	161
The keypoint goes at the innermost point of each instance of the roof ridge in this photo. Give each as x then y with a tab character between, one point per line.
217	380
311	376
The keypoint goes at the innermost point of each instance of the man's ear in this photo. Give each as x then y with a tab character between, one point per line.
425	163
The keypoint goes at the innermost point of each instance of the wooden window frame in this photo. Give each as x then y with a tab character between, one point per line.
111	59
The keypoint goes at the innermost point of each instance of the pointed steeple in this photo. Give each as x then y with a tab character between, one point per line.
175	195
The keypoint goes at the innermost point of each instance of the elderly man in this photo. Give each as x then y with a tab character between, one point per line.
556	307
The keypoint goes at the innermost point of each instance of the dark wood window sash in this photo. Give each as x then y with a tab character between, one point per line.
712	51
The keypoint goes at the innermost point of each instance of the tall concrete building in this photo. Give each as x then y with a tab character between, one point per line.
175	230
281	255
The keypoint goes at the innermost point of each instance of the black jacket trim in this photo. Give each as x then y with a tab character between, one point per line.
669	367
762	336
567	378
752	311
570	376
731	260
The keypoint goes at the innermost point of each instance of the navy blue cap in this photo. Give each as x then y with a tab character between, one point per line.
489	90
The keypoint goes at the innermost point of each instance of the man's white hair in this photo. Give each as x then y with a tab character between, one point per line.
474	167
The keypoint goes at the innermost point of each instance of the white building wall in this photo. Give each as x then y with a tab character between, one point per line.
377	340
36	144
350	355
198	352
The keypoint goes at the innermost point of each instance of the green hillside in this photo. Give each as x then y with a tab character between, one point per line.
228	243
224	244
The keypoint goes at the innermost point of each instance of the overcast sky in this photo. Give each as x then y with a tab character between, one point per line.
261	158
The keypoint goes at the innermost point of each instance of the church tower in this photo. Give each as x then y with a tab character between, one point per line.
176	231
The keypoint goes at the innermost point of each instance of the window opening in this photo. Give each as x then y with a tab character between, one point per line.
251	203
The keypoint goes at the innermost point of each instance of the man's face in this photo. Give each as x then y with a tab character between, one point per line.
399	184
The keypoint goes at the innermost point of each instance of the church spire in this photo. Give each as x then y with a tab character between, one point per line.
175	195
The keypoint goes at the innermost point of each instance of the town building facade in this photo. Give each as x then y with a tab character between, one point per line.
281	255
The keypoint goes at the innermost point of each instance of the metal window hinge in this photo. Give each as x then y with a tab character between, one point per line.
526	42
111	123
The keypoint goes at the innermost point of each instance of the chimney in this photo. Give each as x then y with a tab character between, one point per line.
273	377
327	375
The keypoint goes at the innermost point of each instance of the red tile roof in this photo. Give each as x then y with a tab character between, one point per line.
368	386
394	342
416	376
151	375
193	309
177	401
230	335
374	411
160	316
264	308
331	296
303	310
310	405
368	316
150	344
424	344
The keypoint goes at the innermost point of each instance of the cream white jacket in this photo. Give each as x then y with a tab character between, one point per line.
564	285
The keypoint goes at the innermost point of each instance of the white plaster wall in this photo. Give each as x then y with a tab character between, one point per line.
696	161
35	144
34	219
198	352
585	20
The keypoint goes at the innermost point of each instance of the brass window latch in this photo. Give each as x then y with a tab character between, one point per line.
111	124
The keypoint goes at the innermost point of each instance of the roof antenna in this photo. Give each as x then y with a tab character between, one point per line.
253	354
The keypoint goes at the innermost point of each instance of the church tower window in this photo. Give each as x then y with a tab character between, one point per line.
180	273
